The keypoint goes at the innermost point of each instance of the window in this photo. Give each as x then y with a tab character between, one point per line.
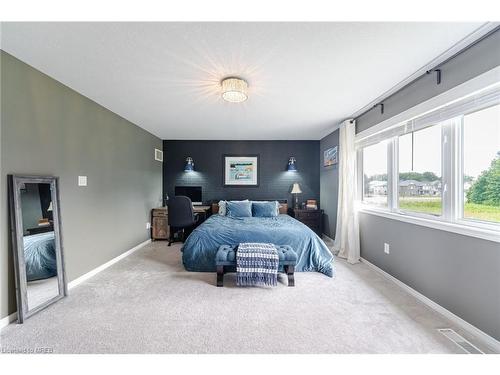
375	174
439	169
481	165
420	171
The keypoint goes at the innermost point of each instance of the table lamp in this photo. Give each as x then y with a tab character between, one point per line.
296	191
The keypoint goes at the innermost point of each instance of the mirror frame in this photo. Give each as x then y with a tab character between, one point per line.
16	228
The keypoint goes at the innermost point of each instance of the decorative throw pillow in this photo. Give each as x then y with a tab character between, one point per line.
265	209
222	208
239	209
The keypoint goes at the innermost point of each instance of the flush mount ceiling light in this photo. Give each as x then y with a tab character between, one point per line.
234	90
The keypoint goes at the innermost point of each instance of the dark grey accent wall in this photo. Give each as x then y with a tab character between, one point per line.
329	186
49	129
460	273
474	61
31	207
275	182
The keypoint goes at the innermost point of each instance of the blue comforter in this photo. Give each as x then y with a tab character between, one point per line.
40	256
201	246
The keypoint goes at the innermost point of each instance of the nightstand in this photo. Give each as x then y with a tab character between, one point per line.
311	218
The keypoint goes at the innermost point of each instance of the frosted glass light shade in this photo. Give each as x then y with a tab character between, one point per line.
234	90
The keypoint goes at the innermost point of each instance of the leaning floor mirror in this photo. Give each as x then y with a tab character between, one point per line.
36	243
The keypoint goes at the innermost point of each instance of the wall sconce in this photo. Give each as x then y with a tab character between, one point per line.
292	167
189	165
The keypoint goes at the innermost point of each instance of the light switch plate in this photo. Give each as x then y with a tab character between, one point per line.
82	180
387	248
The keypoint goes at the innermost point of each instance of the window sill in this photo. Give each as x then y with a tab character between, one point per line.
466	230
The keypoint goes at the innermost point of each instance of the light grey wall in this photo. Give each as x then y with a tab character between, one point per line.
460	273
478	59
329	186
49	129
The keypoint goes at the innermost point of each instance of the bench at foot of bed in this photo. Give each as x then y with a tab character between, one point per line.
225	261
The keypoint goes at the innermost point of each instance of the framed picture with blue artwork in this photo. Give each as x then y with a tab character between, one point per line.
330	157
241	170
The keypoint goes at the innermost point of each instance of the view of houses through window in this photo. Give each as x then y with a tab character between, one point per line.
420	171
375	174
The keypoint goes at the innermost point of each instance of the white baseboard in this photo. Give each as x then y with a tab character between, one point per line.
102	267
327	238
483	337
4	322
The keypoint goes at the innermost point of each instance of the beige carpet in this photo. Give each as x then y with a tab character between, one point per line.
148	303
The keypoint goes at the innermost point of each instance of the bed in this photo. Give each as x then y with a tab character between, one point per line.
40	256
198	252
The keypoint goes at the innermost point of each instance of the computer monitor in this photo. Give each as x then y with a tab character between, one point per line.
192	192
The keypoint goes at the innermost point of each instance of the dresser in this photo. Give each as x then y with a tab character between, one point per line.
159	224
311	218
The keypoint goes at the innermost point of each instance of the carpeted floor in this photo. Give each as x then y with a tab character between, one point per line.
40	291
148	303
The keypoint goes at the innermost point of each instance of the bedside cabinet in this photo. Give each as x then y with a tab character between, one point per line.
159	224
312	218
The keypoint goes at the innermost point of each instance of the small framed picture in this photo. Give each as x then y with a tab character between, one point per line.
330	157
241	170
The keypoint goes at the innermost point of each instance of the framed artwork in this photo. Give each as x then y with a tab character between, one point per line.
241	170
330	157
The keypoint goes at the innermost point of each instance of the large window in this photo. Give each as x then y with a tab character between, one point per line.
438	168
481	165
375	174
420	171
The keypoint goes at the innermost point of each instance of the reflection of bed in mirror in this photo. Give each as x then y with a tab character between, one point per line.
41	268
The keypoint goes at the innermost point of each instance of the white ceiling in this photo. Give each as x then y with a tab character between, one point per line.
303	77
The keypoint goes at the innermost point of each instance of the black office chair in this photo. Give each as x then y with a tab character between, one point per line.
180	216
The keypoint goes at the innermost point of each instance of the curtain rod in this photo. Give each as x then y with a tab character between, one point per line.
463	45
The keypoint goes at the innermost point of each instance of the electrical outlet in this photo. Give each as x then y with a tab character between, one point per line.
387	249
148	225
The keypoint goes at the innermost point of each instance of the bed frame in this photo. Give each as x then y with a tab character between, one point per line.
283	209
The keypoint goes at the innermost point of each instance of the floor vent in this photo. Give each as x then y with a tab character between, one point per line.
460	341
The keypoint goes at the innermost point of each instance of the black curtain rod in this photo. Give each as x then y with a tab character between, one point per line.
435	68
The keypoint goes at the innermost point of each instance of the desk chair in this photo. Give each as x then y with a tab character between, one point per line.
180	216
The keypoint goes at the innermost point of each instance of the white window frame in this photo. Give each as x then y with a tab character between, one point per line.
451	120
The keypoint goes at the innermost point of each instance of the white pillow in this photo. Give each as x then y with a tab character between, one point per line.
222	208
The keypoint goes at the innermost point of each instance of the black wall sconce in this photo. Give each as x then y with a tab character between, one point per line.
189	165
292	167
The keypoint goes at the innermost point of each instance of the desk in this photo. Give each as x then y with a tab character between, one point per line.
160	229
201	209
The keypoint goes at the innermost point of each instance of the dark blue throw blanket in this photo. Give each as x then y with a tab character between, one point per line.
257	264
201	246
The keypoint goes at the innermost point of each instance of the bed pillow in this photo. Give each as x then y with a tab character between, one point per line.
265	209
222	208
239	209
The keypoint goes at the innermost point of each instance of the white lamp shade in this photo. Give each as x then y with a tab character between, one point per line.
296	188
